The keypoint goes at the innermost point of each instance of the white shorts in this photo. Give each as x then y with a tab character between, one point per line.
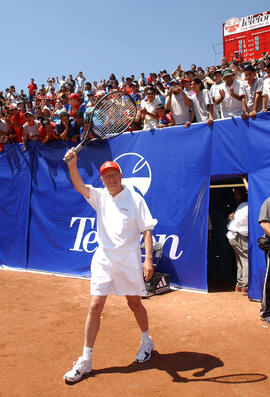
117	274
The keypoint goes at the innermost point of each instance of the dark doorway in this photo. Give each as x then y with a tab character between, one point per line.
221	266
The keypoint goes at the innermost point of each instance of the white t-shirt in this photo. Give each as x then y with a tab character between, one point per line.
200	104
150	122
266	90
33	129
214	92
120	219
79	82
180	111
231	107
239	223
250	93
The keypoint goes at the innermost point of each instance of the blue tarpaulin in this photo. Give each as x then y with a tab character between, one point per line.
47	225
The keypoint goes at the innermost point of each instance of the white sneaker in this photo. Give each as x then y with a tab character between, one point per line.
144	354
80	370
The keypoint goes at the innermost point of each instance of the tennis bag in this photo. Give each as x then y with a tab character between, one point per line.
264	242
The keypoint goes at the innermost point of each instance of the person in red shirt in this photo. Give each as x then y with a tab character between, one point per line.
237	57
18	120
75	105
47	131
128	85
32	88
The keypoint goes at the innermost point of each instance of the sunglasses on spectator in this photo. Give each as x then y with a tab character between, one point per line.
150	93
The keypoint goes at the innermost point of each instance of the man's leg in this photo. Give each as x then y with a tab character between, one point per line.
93	320
83	366
265	310
139	311
140	314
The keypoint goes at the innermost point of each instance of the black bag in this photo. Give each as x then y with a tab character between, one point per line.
264	242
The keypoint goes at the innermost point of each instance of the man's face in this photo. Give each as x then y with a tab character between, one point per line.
229	79
64	119
175	88
29	119
218	77
112	180
249	75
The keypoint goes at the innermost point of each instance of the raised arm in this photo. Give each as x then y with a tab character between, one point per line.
75	177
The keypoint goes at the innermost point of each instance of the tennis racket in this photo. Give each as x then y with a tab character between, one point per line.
112	115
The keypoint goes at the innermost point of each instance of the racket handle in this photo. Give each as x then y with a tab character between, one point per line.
77	149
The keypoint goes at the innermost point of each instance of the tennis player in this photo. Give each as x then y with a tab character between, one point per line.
122	215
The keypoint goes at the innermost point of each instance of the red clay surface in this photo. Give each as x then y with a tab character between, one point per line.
205	344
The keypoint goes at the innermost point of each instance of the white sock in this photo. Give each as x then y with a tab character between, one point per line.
145	335
87	353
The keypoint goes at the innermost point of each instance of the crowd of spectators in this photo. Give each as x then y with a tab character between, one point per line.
60	109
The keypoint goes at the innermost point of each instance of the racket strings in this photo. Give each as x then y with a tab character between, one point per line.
113	115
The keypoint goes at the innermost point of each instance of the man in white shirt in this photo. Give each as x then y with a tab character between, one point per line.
231	95
252	88
178	103
122	215
238	239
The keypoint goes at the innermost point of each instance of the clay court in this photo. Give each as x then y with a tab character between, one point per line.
205	344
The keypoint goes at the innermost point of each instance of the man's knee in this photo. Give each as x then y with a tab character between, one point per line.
96	306
135	304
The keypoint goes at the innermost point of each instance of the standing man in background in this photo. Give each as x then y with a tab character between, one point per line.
264	221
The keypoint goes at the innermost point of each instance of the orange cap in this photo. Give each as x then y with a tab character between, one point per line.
109	164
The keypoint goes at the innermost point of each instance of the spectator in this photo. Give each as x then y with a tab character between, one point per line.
61	82
75	105
162	92
190	75
142	78
266	90
21	106
46	112
80	79
18	120
261	69
214	92
178	72
237	57
241	72
64	128
4	132
47	131
71	84
224	63
231	95
135	95
202	102
179	104
166	81
77	127
128	85
59	108
252	89
30	129
164	120
149	109
32	89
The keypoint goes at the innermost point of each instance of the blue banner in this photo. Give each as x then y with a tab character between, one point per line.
170	167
